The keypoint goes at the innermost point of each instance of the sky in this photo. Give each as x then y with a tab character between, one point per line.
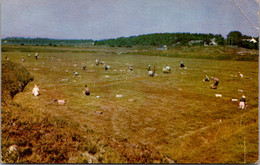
105	19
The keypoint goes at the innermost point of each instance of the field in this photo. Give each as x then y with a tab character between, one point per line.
174	116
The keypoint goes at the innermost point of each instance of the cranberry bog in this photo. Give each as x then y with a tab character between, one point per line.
130	117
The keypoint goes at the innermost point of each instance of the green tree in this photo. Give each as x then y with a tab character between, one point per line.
234	38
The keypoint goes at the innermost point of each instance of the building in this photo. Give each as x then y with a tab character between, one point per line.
213	42
250	40
253	40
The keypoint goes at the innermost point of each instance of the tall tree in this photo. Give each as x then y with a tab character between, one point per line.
234	38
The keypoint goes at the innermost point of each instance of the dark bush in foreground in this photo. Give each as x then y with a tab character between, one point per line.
14	78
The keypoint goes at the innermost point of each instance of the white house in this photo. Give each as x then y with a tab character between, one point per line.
213	42
253	40
250	40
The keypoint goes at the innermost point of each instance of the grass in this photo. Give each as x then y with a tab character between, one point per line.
174	117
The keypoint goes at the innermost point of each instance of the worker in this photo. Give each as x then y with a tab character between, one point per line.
242	103
168	68
149	67
107	67
35	91
151	72
86	92
216	82
206	78
131	68
36	56
240	74
182	65
97	62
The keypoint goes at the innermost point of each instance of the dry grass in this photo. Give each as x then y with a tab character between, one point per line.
174	116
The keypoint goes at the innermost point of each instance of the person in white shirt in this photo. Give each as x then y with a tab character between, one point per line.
240	74
35	91
242	103
97	62
151	72
167	67
36	56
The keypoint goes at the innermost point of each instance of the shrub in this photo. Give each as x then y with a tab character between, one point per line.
14	78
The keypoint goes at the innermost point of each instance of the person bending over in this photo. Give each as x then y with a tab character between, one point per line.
216	82
86	92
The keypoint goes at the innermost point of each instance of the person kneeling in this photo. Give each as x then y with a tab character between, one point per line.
86	92
151	73
206	78
215	85
107	67
242	103
36	91
182	65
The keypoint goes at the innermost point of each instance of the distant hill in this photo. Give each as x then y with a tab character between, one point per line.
44	41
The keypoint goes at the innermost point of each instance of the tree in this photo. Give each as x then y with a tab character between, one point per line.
234	38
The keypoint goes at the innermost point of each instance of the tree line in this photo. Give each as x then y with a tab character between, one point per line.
45	41
234	38
157	39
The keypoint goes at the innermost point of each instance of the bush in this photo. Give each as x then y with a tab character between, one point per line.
14	78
